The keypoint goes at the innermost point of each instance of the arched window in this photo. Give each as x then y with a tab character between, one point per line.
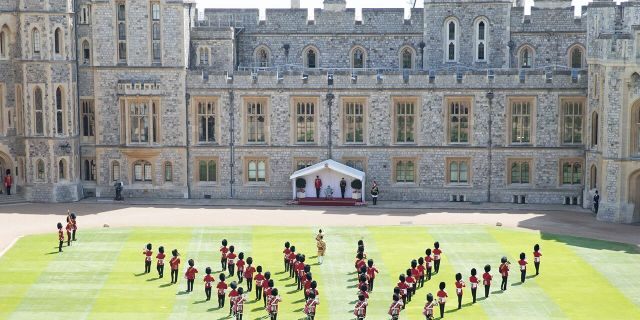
311	58
115	171
593	177
4	42
38	103
262	57
358	58
168	171
35	41
595	124
481	40
40	174
451	43
576	57
86	52
59	112
57	41
406	58
142	171
525	57
62	170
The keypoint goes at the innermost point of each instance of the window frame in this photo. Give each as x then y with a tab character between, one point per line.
479	41
204	56
38	114
153	22
532	53
62	170
572	162
593	177
412	53
448	41
85	50
635	130
121	38
266	102
89	170
207	161
88	113
521	161
532	100
84	14
58	42
40	174
155	120
352	59
595	129
36	42
344	101
297	160
459	99
116	171
346	160
167	171
294	119
258	58
60	111
570	56
395	171
448	172
395	116
305	57
5	39
145	164
247	179
216	116
561	113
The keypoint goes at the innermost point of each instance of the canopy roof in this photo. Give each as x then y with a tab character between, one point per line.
329	164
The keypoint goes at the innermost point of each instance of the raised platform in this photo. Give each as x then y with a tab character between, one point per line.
335	202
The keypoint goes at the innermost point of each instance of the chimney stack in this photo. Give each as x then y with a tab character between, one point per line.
295	4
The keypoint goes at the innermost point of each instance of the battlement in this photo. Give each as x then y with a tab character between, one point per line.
547	19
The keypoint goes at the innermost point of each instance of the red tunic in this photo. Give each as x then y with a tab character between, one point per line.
191	273
421	270
428	260
248	273
428	308
436	254
69	227
272	303
148	254
459	285
208	280
359	264
486	279
536	256
221	287
403	288
231	258
306	284
309	290
299	267
292	257
504	270
442	296
266	291
415	273
410	281
473	280
310	306
238	306
364	293
523	265
259	279
223	251
175	263
240	265
60	235
395	308
160	258
317	183
360	309
286	252
233	295
371	272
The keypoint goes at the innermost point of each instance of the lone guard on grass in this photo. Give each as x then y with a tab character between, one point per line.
148	254
175	265
442	298
375	191
536	257
208	283
596	202
322	247
310	306
343	187
318	185
286	253
360	310
190	275
60	237
160	265
504	271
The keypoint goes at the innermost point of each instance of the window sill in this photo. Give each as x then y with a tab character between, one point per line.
354	144
520	185
405	184
405	143
206	183
461	144
457	185
256	143
523	144
306	143
256	184
201	143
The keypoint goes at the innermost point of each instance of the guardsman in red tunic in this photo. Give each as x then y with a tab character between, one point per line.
223	252
428	260
310	306
437	255
415	273
208	283
272	304
459	285
160	264
536	258
222	286
267	290
240	266
75	226
286	253
363	291
523	267
473	281
396	307
299	267
371	272
486	280
175	265
428	307
60	237
360	310
190	274
318	184
411	284
248	274
148	255
360	262
421	271
504	272
260	279
239	304
313	288
233	295
69	229
231	261
292	259
404	289
442	298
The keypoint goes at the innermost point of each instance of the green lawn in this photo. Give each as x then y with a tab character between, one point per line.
100	276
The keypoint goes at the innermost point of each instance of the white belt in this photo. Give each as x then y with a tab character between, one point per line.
536	259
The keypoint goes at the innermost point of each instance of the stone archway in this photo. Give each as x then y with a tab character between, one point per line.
634	195
6	164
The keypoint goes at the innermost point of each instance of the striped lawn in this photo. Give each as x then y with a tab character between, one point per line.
100	276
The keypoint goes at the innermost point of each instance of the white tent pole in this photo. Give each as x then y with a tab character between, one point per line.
294	188
364	188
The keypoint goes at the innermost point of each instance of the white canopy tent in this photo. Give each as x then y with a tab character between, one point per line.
330	172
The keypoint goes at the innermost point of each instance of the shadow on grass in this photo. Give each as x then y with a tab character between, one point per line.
291	285
352	287
53	252
213	309
530	277
139	274
497	292
298	301
181	293
313	257
284	279
352	280
153	279
200	302
517	284
165	285
281	272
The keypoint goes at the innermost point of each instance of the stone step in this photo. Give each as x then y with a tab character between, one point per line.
12	199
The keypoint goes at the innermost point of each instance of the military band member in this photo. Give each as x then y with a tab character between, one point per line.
286	253
363	291
523	267
360	310
486	280
473	280
190	275
371	272
310	306
240	267
536	258
504	272
60	237
292	259
222	287
404	289
411	284
422	271
69	229
160	264
175	265
437	255
320	234
415	273
148	255
428	260
231	261
208	283
459	285
272	304
75	226
313	288
362	280
223	254
306	283
248	274
322	247
233	295
396	307
442	298
239	304
260	279
269	286
428	307
360	261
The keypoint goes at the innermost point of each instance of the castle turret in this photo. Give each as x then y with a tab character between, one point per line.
335	5
552	4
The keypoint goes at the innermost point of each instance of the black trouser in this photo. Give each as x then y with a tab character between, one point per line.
264	299
473	293
238	316
147	266
523	275
404	301
292	270
409	293
68	238
375	200
595	205
239	274
223	262
9	193
342	191
249	284
436	266
299	281
207	292
428	273
174	276
503	285
371	284
221	301
537	265
189	285
286	264
459	301
73	235
60	246
486	291
274	316
231	268
160	268
441	310
317	192
311	316
422	281
258	293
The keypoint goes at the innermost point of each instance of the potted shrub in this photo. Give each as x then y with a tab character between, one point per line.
301	185
356	186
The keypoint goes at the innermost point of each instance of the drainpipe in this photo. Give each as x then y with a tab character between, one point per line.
330	98
78	118
231	143
490	95
187	98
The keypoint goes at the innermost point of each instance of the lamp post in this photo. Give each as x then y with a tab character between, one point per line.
490	95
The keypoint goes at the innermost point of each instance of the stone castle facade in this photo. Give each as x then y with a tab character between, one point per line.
464	100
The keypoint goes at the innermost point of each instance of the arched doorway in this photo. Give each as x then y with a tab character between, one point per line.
6	166
634	195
